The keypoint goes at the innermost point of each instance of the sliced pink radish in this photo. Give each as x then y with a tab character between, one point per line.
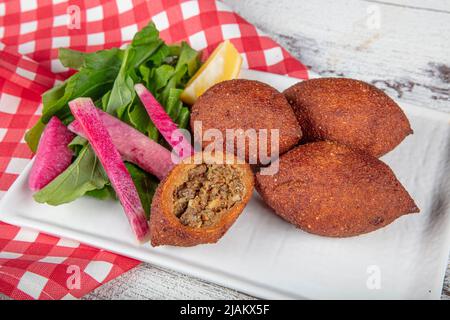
134	146
52	156
96	133
164	123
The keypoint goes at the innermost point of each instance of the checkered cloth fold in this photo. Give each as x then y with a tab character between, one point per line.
37	266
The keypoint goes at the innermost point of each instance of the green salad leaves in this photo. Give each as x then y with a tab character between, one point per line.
83	175
108	78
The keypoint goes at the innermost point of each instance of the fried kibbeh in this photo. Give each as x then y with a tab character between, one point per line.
329	189
247	104
348	111
199	200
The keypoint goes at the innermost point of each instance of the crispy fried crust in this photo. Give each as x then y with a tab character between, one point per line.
348	111
331	190
247	104
166	228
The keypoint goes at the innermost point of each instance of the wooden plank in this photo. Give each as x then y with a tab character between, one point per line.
407	54
433	6
148	282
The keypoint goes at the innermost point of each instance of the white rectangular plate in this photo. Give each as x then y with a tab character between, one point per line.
265	256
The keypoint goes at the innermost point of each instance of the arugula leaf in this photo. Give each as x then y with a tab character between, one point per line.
96	75
190	58
146	35
72	59
159	56
161	77
146	185
108	77
167	80
122	93
105	100
103	59
174	83
145	73
95	60
173	103
183	118
34	134
54	94
83	175
48	98
152	131
138	117
86	83
143	45
77	144
105	193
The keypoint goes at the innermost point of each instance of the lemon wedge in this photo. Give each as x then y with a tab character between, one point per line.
223	64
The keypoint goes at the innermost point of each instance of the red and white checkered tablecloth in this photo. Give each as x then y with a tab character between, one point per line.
38	266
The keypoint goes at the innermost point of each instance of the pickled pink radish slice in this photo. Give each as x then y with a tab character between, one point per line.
134	146
164	123
52	156
96	133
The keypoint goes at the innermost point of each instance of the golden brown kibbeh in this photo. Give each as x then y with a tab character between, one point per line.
247	104
331	190
199	201
348	111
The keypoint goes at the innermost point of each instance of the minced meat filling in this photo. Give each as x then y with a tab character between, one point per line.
208	193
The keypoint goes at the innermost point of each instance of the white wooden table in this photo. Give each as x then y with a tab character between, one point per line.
402	47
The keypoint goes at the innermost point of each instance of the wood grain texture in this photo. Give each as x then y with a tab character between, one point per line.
148	282
406	53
